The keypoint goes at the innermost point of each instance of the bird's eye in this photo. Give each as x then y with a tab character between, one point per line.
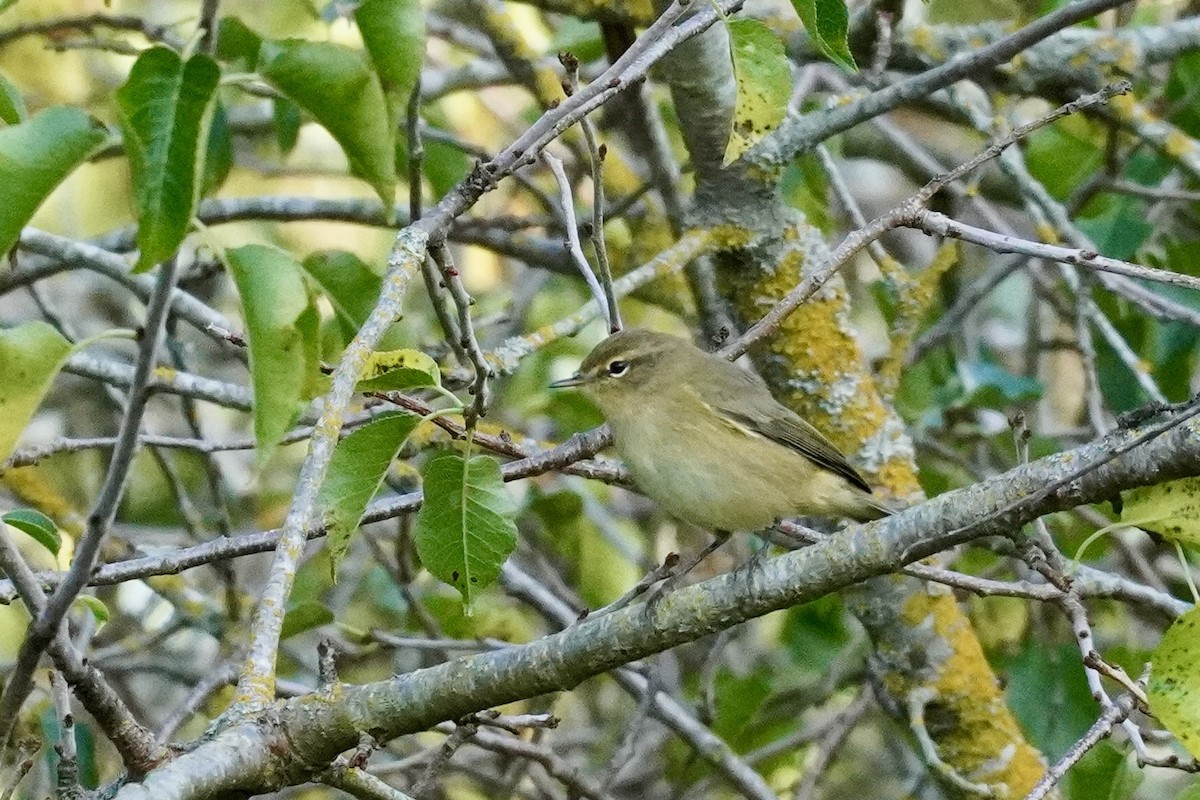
618	368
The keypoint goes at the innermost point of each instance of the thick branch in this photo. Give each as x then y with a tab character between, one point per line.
317	727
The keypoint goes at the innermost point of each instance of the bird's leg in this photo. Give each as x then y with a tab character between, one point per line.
758	555
662	572
719	538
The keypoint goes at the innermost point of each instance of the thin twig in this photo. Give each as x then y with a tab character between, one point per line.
468	341
911	208
573	246
67	777
596	155
1100	729
936	224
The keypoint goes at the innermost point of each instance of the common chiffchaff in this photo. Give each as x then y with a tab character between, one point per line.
707	441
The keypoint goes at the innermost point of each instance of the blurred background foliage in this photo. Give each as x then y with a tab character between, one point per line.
779	679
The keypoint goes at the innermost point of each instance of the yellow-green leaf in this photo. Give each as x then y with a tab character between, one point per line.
96	606
12	105
30	356
389	370
1170	509
764	84
1174	690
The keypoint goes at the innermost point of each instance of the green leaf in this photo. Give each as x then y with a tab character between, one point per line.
30	356
237	43
355	472
1190	793
389	370
337	86
163	109
287	123
394	34
37	525
1056	722
350	284
828	25
218	159
465	528
445	165
764	84
1170	509
1076	135
281	326
815	634
1119	229
12	105
1103	774
35	156
96	606
1174	690
304	617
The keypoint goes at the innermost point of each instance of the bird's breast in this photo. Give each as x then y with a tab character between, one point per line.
707	471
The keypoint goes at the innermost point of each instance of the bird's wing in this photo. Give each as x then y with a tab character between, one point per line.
754	409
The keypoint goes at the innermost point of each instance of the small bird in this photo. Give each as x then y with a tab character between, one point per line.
707	441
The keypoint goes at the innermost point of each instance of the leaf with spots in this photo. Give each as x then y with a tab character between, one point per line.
1170	509
30	356
355	472
1174	690
465	528
764	84
388	370
827	23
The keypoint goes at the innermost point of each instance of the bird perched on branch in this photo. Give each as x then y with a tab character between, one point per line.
708	442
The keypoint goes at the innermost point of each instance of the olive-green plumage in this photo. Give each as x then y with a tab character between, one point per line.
708	442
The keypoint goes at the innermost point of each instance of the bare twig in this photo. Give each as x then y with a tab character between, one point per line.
1101	728
909	209
468	342
596	155
937	224
573	245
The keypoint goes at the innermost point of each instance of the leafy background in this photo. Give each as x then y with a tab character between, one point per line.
119	141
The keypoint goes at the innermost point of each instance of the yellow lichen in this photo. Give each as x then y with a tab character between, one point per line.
983	725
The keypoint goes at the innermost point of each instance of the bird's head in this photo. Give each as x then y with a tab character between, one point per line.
628	366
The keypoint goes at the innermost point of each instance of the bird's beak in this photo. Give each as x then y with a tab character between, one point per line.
566	383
